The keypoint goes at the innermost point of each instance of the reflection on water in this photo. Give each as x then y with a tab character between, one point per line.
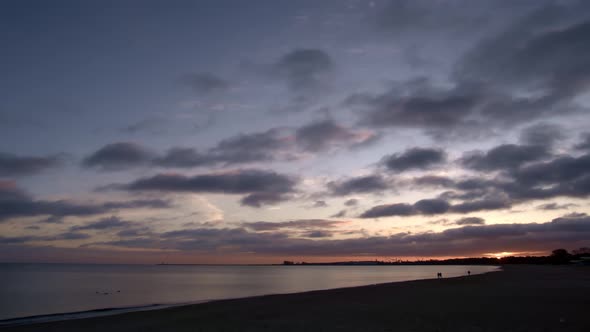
39	289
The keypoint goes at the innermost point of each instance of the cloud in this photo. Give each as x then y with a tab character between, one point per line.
205	83
385	210
317	234
543	134
457	18
261	187
263	198
271	145
562	176
300	224
319	204
118	156
261	146
434	207
67	236
543	51
153	125
361	184
183	158
556	206
503	157
414	158
572	231
534	68
433	181
304	69
324	134
102	224
15	165
16	203
561	171
351	202
585	143
417	104
339	214
470	221
483	204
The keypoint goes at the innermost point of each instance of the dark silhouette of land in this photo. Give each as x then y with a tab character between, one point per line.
520	298
558	256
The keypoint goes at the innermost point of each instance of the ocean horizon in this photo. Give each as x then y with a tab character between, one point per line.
32	290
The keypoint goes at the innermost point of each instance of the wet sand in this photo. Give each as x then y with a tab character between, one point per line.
520	298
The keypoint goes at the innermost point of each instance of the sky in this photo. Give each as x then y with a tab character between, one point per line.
259	131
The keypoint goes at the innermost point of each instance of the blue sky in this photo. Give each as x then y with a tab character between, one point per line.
358	128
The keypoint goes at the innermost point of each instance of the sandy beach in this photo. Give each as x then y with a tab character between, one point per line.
519	298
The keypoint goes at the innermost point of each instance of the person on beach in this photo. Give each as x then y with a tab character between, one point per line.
439	275
468	273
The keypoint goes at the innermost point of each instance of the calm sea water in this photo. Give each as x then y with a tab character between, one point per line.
41	289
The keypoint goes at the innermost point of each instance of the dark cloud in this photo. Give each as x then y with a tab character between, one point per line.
433	181
263	198
361	184
15	165
239	149
304	69
432	206
118	156
533	56
561	171
569	231
543	55
317	234
67	236
470	221
205	83
102	224
324	134
301	224
556	206
534	68
585	143
416	106
432	19
385	210
543	134
339	214
435	206
183	158
134	232
252	147
414	158
270	145
260	187
139	203
242	148
319	204
483	204
16	203
152	125
351	202
562	176
503	157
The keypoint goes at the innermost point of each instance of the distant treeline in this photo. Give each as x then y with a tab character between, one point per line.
558	256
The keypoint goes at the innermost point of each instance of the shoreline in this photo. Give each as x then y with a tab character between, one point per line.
112	311
521	298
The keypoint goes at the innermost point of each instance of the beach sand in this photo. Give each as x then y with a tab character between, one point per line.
520	298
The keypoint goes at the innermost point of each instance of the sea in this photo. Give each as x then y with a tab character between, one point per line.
45	292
